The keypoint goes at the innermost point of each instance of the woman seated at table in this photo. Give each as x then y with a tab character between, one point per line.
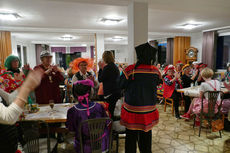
187	80
171	83
85	109
208	85
9	115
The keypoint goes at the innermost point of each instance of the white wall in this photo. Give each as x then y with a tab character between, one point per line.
196	41
31	55
121	52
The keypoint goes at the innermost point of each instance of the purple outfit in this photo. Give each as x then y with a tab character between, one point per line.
76	115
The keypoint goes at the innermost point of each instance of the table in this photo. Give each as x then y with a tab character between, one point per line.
195	91
59	115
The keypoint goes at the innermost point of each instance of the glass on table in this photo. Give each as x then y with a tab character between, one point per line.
51	103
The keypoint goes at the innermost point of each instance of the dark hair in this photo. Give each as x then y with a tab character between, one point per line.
80	89
146	54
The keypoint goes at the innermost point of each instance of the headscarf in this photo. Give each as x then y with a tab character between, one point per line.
81	98
8	62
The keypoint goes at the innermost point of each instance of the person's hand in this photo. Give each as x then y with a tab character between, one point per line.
177	75
48	70
26	67
33	79
196	72
101	65
18	76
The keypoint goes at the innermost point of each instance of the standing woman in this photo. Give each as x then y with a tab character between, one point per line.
139	113
109	75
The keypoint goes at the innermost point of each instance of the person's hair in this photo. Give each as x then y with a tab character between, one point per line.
207	73
108	57
80	90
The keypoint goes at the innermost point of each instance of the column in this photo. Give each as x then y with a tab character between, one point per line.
137	27
100	46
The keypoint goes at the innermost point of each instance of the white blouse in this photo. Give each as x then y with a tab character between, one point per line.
10	114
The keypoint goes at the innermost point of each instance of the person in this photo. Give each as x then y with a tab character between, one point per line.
227	73
82	70
85	109
68	86
199	79
139	113
208	85
179	66
10	113
49	88
187	80
172	82
109	75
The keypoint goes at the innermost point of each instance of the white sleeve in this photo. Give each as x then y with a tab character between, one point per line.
9	115
74	79
202	87
9	98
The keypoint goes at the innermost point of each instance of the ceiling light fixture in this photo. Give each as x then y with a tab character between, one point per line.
9	16
117	38
189	26
67	37
83	45
110	21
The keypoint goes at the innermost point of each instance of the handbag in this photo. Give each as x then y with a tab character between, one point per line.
217	125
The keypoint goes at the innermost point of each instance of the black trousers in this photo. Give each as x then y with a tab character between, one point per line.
144	140
176	98
112	100
187	101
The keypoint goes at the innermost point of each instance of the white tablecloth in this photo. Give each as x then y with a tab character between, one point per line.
45	112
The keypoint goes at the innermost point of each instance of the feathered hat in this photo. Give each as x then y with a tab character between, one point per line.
77	61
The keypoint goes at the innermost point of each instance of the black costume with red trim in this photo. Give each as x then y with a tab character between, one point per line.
139	110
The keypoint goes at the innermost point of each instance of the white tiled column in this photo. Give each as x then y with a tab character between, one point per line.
100	46
137	26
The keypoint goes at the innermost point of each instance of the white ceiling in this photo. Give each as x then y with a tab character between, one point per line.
47	20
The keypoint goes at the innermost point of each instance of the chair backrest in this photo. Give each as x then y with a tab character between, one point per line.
214	98
97	132
30	135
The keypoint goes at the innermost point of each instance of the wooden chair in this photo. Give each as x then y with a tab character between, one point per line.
31	141
169	101
96	129
211	115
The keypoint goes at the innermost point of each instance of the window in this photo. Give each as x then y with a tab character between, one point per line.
25	54
223	52
19	52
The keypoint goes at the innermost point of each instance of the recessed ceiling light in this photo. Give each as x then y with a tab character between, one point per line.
9	16
117	38
189	26
83	45
67	37
110	21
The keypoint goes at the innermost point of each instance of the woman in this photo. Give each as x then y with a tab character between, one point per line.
139	113
109	75
9	115
171	83
85	109
49	88
208	85
187	80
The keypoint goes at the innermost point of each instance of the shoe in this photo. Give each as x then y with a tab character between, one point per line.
178	116
197	123
186	116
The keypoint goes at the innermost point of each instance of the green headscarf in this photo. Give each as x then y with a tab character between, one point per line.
9	59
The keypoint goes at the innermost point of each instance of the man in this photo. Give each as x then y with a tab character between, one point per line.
52	77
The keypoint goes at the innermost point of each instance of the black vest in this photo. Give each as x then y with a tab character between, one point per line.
79	77
8	138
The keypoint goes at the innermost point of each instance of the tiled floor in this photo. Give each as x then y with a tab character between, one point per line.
177	136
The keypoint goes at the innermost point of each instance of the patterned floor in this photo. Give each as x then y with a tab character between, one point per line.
177	136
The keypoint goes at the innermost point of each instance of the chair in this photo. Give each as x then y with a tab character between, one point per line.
96	128
31	143
169	101
211	115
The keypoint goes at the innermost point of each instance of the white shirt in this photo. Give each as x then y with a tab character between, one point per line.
206	87
10	114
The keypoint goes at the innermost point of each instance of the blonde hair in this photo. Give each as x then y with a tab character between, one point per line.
207	73
108	57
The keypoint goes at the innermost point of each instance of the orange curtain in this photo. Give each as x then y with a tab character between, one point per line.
180	45
5	46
